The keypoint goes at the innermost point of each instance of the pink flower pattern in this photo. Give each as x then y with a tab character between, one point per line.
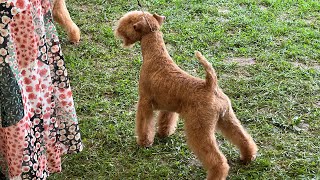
38	122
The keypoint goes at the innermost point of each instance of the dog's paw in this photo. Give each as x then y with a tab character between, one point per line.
144	142
247	159
74	34
165	131
163	134
249	154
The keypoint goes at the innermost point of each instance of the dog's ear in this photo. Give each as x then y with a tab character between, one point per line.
138	26
160	19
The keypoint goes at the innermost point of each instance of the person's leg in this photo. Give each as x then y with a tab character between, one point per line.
2	176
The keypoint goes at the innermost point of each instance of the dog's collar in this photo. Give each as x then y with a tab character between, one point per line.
151	28
145	17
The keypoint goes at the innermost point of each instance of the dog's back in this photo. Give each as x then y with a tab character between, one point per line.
170	88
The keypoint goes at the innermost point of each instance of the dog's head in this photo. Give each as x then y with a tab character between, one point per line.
135	24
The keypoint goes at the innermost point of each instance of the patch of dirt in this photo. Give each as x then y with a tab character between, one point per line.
310	20
232	32
237	75
301	127
304	66
316	67
263	8
170	48
195	162
243	74
108	95
243	7
283	17
304	126
297	64
217	44
223	20
224	10
241	61
84	8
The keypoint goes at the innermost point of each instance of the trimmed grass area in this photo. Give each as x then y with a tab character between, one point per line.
266	54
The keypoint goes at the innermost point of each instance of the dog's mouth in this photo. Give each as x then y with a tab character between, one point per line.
120	36
126	41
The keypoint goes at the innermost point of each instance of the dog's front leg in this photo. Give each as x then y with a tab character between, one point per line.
167	123
62	17
145	125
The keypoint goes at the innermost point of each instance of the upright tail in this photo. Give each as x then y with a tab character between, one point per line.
211	77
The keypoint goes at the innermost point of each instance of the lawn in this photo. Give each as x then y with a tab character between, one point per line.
266	54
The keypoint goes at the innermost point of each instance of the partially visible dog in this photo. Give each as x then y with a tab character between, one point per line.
62	17
165	87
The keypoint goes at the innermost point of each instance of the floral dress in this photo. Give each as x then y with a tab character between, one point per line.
38	122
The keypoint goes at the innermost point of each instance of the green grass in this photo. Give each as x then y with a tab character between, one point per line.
277	98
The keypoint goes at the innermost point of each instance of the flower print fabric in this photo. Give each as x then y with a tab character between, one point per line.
38	122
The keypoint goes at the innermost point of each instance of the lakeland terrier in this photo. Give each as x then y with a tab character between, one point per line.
165	87
62	17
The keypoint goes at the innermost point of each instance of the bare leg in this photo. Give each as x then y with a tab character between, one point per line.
167	123
145	125
62	16
232	129
201	139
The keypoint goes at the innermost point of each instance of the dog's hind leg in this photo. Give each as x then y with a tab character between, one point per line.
61	16
232	129
202	141
145	125
167	123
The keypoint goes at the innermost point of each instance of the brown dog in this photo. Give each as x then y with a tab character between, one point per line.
62	17
165	87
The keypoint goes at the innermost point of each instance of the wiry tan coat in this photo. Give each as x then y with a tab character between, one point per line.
165	87
62	17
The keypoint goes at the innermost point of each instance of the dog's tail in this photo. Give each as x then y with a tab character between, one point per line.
211	77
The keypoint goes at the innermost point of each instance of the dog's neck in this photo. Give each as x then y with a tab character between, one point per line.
153	46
